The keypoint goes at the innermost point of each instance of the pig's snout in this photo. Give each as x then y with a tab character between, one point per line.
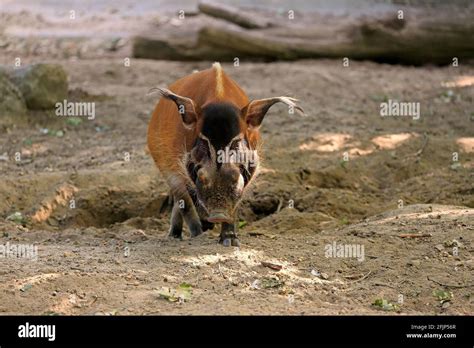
219	216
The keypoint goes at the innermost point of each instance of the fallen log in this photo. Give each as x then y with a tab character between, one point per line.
247	44
234	15
423	40
433	38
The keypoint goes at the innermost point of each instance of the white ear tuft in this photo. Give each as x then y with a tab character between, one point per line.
186	107
291	102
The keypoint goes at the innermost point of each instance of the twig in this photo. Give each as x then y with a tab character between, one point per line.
423	146
141	233
383	284
220	272
74	268
415	235
273	266
425	142
94	300
358	280
280	204
450	285
255	234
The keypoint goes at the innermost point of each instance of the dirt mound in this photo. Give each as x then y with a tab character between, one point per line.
280	269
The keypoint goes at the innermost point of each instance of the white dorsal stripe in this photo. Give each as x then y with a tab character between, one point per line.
219	80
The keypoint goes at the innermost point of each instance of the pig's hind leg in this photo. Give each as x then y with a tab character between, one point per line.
206	225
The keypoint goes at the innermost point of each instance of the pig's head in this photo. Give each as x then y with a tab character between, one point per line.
223	159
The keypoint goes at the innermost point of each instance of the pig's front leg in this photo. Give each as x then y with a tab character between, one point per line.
228	235
190	216
176	223
185	205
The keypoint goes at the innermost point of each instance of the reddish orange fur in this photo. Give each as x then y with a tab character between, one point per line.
168	139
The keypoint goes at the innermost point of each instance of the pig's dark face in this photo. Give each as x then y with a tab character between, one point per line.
221	163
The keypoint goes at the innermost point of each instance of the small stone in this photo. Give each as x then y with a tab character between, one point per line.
455	165
4	157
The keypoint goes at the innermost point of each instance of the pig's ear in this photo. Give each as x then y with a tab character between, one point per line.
256	110
186	106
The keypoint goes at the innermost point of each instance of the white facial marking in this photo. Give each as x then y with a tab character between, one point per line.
240	183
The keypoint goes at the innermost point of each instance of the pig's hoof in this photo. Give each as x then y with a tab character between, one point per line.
176	233
175	237
230	241
227	242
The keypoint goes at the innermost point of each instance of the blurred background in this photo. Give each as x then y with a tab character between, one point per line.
390	31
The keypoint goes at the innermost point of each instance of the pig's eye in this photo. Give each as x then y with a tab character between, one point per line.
192	170
201	150
235	144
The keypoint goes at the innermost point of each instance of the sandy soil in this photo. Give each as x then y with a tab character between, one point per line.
110	254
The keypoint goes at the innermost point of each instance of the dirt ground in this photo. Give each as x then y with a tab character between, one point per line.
341	175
